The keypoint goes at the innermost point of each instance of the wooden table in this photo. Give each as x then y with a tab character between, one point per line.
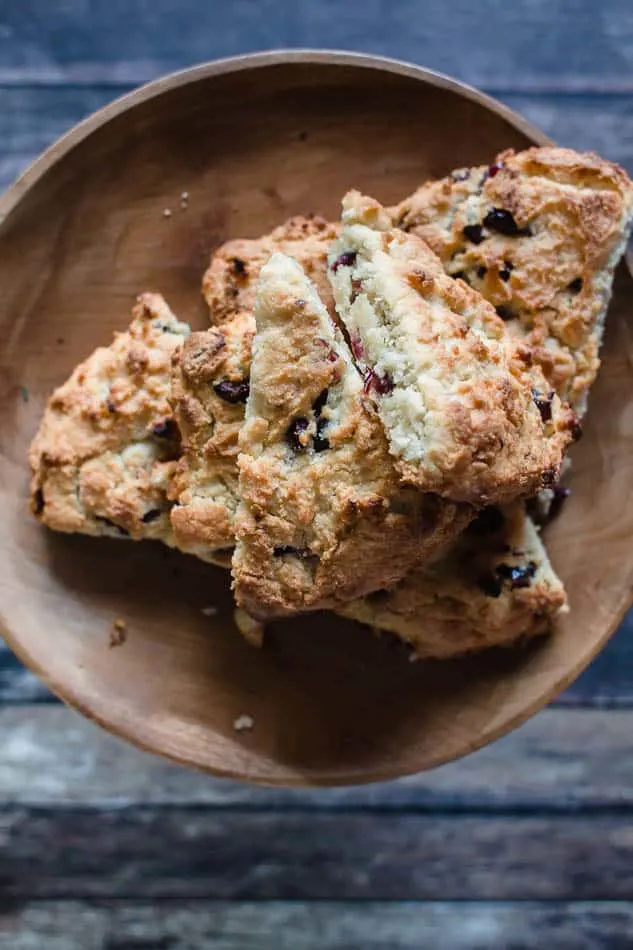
528	844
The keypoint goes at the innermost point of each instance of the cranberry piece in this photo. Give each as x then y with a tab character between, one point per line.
576	286
506	270
381	385
346	259
319	402
296	434
518	575
494	169
488	521
151	515
239	266
490	585
474	233
321	443
110	406
38	502
233	391
543	403
505	313
502	221
357	347
576	429
167	429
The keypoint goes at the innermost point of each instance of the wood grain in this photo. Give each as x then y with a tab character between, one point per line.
561	762
90	216
339	925
528	46
139	852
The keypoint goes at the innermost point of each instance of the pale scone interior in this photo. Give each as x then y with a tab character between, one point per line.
321	514
465	413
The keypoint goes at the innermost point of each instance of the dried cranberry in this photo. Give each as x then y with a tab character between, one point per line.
110	406
504	312
319	402
233	391
295	434
481	272
357	347
474	233
167	429
576	429
38	502
576	286
320	441
490	585
381	385
518	575
543	403
502	221
506	270
239	266
494	169
151	515
346	259
488	521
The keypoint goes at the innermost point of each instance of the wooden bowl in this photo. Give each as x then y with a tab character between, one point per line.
254	140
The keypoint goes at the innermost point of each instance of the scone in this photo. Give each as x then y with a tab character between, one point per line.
321	517
210	389
466	414
538	234
495	586
107	445
230	283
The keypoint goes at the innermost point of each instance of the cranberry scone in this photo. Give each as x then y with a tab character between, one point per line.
107	444
538	233
465	412
210	389
322	517
230	283
494	587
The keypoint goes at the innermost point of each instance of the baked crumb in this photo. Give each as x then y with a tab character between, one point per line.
118	633
243	723
252	630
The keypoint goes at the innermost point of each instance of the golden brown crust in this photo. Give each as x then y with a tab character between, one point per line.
466	414
106	447
321	516
551	275
211	380
496	585
230	283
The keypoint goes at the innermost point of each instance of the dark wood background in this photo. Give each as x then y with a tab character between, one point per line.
527	844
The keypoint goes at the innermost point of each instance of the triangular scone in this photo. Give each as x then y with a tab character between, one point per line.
465	413
107	444
211	384
496	585
538	234
230	283
321	516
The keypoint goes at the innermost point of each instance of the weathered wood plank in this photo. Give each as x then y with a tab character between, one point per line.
562	761
398	925
144	853
530	45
